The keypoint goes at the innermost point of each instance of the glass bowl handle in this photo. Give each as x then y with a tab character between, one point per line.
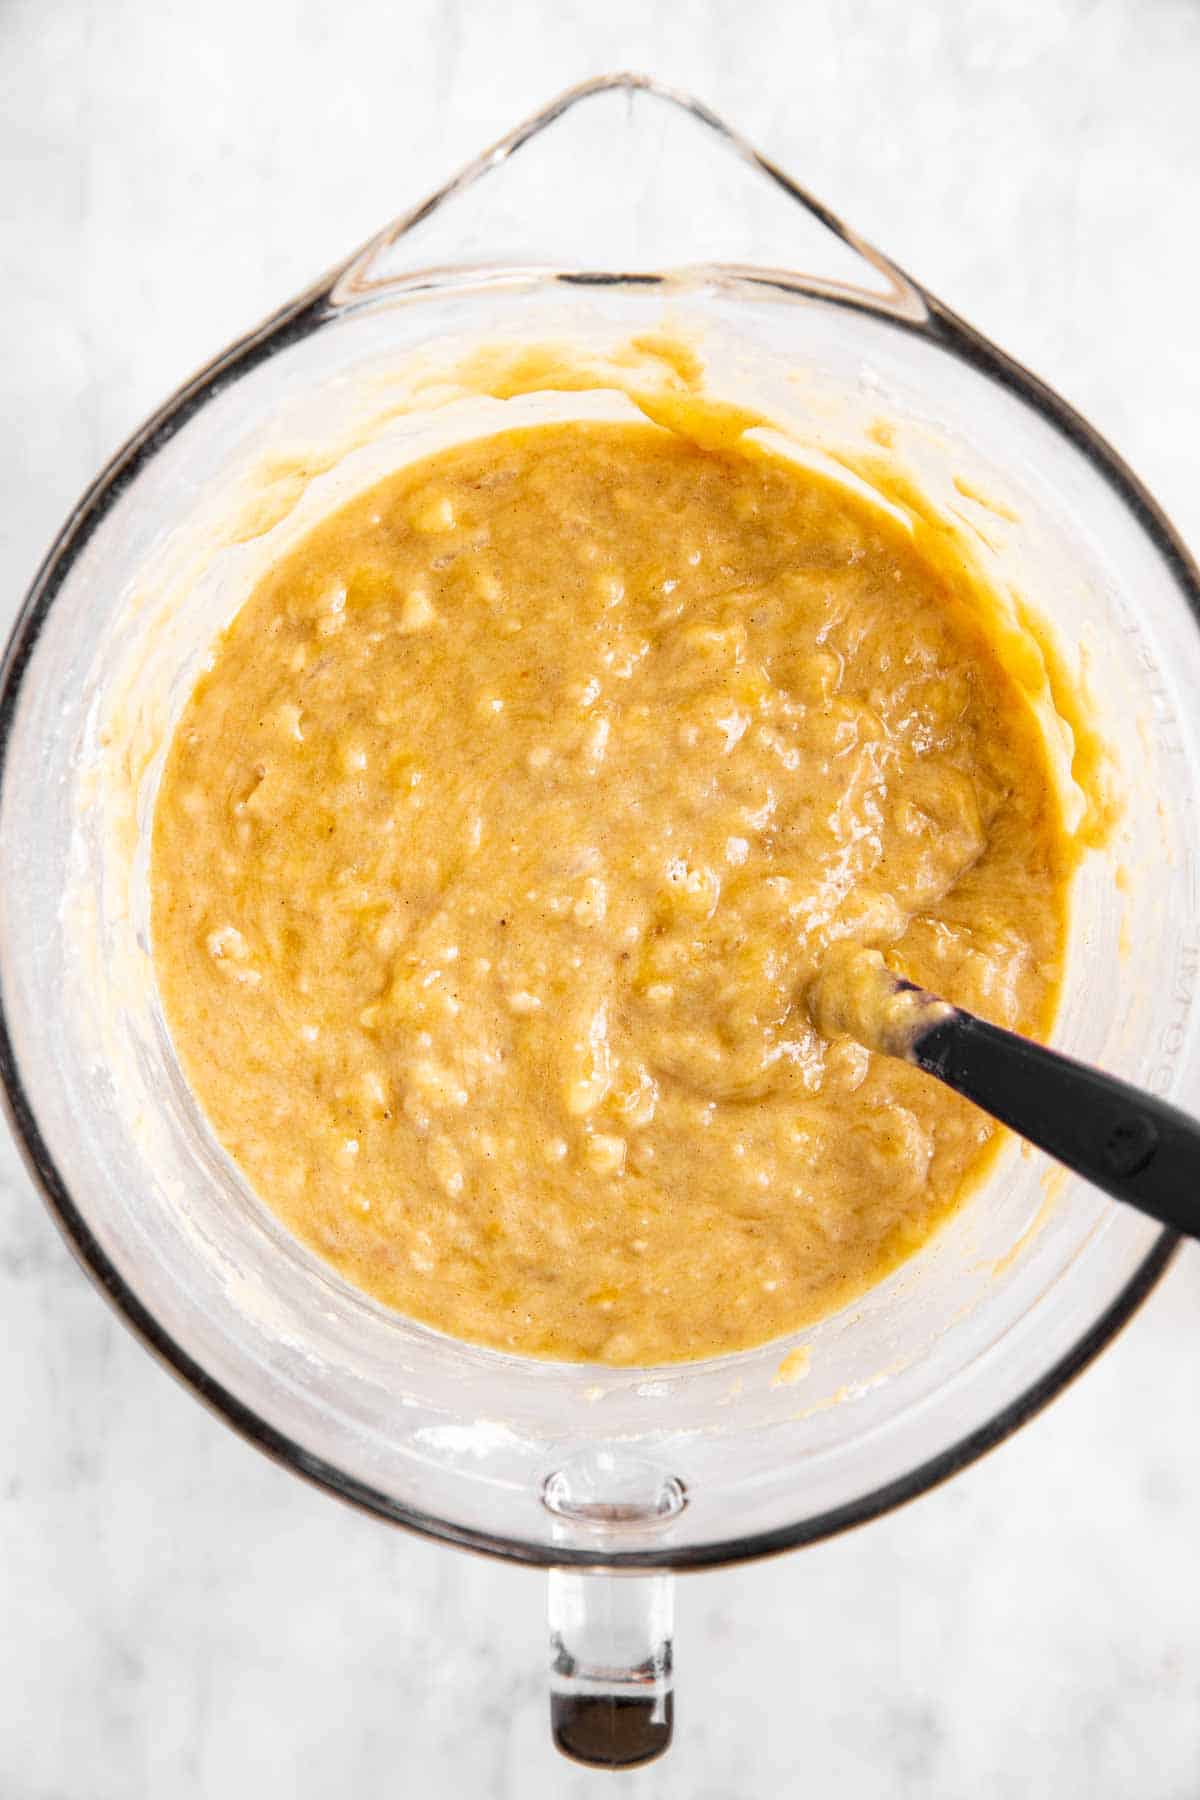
612	1698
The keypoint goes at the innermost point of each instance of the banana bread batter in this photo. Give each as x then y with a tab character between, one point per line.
497	847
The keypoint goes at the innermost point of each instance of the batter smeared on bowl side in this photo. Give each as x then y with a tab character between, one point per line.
497	849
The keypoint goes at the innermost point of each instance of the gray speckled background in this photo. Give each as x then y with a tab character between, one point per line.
180	1619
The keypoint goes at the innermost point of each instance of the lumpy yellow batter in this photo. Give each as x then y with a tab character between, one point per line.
497	848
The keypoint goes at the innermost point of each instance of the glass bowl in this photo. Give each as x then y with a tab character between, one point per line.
620	210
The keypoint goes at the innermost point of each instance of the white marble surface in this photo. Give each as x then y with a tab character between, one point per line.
181	1619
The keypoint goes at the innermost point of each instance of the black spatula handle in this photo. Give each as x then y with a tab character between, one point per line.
1135	1147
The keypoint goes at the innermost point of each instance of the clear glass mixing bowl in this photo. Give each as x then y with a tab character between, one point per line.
620	207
